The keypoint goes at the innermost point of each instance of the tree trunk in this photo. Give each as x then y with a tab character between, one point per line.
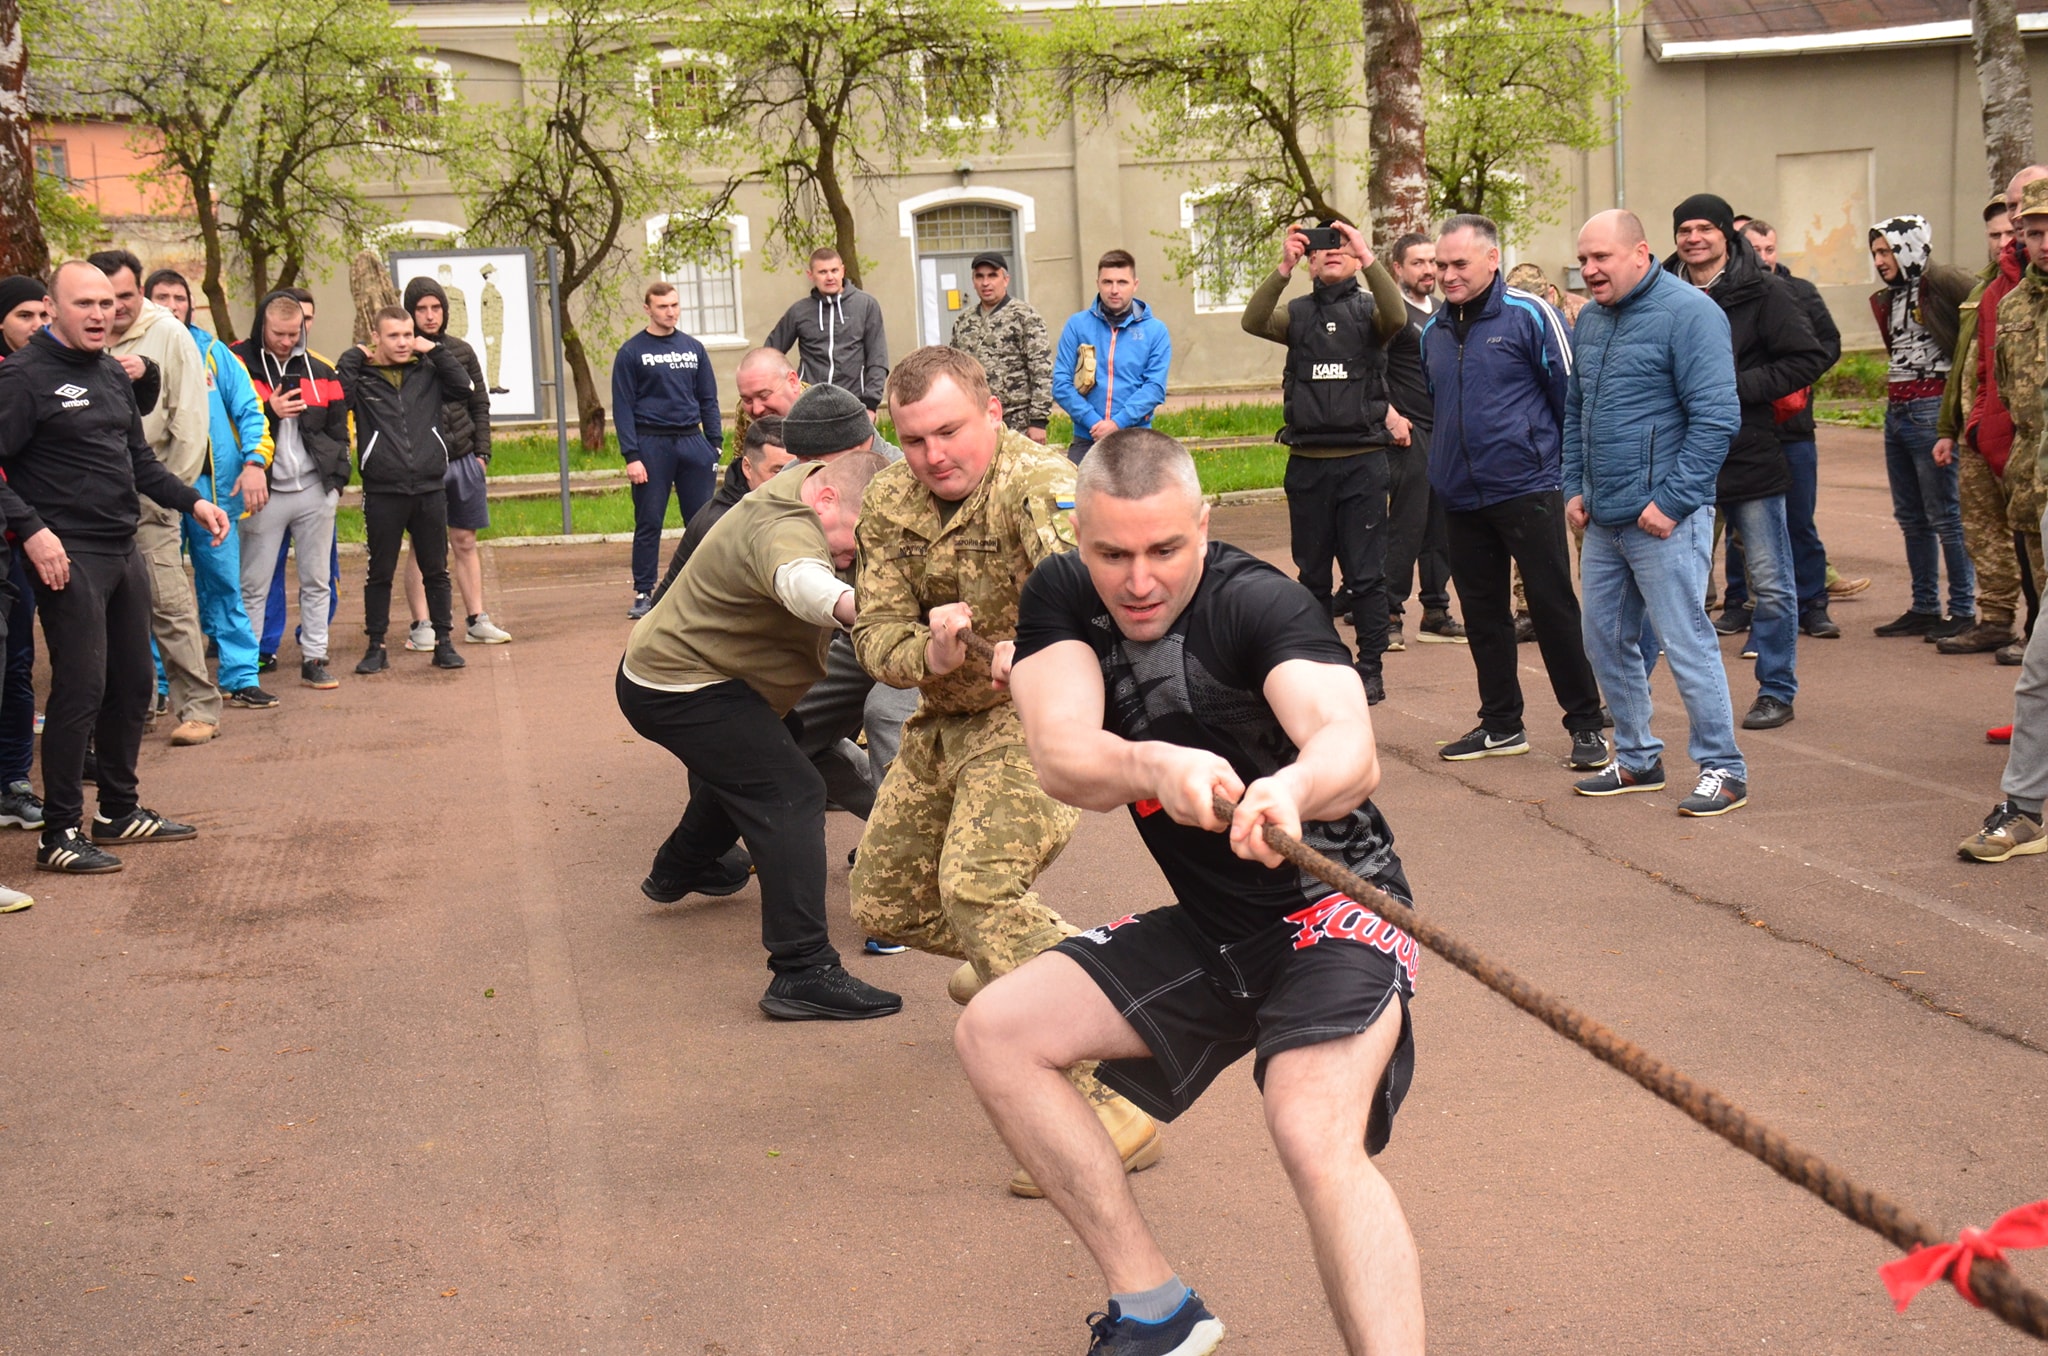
22	247
208	213
589	412
371	288
2002	84
844	237
1396	184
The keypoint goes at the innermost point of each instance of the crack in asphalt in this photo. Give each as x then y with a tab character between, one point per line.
1429	765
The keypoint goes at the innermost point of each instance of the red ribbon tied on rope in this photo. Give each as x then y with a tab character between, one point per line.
2024	1227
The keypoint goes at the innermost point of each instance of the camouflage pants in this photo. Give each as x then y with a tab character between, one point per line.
959	831
1993	510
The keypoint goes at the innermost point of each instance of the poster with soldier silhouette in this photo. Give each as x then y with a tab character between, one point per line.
491	304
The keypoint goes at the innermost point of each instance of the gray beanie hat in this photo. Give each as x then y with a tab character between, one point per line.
824	420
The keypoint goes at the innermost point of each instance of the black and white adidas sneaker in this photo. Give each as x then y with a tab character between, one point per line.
139	826
74	854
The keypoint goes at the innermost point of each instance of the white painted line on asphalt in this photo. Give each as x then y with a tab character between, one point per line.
2033	943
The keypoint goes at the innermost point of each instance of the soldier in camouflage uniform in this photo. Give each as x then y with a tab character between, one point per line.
1009	339
961	828
2021	366
1975	427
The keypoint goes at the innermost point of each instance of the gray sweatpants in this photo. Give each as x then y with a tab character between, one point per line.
2026	766
308	515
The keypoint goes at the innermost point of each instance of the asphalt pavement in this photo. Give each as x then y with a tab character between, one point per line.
396	1058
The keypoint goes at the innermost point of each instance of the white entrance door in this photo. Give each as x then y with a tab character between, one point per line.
948	238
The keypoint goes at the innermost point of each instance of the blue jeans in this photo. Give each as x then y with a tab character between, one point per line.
1809	556
1927	501
1627	575
1774	620
273	604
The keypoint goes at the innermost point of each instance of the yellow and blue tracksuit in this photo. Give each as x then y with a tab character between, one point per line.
240	436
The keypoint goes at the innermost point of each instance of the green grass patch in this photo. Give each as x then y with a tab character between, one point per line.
1858	376
610	511
1225	469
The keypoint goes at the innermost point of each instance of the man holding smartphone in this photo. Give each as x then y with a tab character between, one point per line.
1339	423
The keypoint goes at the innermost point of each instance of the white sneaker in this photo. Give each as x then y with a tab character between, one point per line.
14	901
420	637
483	632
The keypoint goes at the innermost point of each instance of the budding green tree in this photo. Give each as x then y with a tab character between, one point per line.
813	100
581	161
263	118
1257	88
1508	85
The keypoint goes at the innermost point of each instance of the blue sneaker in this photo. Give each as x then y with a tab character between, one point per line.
1192	1331
875	946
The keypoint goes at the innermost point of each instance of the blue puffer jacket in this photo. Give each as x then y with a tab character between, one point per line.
1653	402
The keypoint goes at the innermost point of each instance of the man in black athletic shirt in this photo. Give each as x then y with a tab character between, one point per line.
1155	669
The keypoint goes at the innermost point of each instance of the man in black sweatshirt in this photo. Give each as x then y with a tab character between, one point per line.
395	389
72	445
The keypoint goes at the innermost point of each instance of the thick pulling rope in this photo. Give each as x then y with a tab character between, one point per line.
1975	1264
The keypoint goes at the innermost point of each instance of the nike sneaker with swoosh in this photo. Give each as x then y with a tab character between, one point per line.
1484	743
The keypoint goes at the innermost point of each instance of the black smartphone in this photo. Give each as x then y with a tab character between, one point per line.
1323	238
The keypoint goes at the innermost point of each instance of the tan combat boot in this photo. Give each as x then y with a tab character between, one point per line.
1135	1134
964	984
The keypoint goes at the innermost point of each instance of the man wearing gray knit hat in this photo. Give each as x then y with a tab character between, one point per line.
827	420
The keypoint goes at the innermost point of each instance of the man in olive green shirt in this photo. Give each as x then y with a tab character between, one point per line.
709	674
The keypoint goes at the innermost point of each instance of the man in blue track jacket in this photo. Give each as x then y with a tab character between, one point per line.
1499	362
1653	407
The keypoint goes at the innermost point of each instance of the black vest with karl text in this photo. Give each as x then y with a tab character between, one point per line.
1335	385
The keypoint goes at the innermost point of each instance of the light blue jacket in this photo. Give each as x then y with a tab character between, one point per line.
1131	358
240	435
1652	404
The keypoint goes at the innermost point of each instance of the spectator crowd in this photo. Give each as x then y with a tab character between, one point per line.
844	619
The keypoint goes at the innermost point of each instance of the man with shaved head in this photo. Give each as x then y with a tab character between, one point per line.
76	462
1157	670
1649	417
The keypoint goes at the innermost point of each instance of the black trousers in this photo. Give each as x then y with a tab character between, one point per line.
748	782
1530	532
387	518
1415	530
1337	513
102	679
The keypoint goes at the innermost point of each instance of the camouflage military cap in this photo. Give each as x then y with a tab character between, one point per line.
2034	199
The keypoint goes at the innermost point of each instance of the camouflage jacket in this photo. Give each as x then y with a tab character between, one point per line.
910	563
1011	344
2021	358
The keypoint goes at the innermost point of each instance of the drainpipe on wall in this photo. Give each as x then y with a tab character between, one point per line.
1620	159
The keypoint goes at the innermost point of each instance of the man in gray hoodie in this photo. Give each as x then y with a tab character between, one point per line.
838	333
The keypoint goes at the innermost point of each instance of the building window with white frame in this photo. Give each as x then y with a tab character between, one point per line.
1220	284
709	285
958	95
